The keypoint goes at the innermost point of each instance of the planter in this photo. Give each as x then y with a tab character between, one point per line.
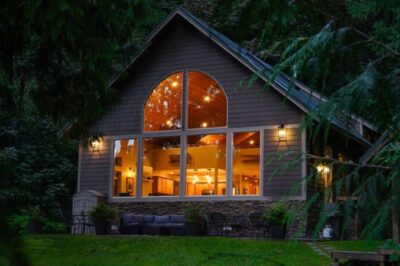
278	231
101	227
35	227
193	229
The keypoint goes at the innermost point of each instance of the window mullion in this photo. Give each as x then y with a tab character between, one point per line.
182	182
229	165
139	170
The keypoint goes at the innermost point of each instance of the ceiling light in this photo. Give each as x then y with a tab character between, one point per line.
207	98
169	122
204	124
174	84
251	142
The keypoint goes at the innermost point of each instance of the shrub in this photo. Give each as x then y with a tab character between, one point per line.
276	213
34	213
103	213
19	223
192	213
52	227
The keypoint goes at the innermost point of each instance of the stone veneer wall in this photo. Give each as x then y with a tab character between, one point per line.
228	208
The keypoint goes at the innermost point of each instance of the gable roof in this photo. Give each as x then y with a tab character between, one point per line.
299	94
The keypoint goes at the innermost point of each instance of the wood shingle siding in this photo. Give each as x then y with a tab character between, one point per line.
180	46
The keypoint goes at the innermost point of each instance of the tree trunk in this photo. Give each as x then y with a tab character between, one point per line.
395	211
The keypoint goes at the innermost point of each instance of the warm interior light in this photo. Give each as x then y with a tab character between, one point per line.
322	168
207	98
281	132
169	122
204	124
251	142
174	84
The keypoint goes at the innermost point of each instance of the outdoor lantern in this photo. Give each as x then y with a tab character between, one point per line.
282	133
95	145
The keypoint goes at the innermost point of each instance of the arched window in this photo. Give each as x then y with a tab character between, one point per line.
163	107
206	103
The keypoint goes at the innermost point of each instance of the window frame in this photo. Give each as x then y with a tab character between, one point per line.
183	133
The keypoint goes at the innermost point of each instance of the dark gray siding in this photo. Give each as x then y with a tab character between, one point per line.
180	46
282	170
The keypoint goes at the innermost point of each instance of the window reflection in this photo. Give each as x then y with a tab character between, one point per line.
162	110
246	163
124	174
161	164
206	102
206	165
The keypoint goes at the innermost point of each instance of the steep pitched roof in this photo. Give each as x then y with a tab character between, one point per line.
302	96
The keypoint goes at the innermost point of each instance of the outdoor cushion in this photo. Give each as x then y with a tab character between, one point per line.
161	219
148	219
178	225
132	218
177	219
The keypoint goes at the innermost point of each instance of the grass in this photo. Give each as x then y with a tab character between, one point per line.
142	250
365	245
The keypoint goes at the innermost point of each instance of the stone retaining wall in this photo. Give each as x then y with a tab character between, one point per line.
228	208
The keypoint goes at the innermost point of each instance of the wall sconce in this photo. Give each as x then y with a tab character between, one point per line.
282	133
95	145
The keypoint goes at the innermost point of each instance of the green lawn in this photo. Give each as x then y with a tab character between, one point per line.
131	250
142	250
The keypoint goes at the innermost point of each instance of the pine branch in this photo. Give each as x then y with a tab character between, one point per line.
366	37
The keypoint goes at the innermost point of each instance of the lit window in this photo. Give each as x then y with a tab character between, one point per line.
206	165
206	102
246	163
161	166
162	110
124	174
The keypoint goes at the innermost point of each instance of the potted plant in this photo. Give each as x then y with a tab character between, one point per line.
193	220
102	216
35	219
276	218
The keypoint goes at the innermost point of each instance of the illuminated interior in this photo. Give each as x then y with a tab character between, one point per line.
204	153
246	163
206	102
162	110
161	166
206	165
124	174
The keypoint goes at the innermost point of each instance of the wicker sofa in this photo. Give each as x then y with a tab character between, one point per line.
137	224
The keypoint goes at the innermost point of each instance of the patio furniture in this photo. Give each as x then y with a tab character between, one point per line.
238	224
217	221
132	224
257	223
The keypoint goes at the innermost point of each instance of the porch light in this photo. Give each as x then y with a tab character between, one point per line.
322	168
95	145
282	133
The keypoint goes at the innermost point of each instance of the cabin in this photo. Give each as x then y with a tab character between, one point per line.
189	127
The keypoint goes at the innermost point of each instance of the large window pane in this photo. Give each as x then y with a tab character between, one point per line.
206	102
162	110
161	164
246	163
206	165
125	162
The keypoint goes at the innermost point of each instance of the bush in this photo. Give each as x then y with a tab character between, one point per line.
276	213
192	213
103	213
19	223
34	213
52	227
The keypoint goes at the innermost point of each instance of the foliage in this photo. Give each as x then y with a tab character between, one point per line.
276	213
193	213
19	223
52	227
34	213
103	213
